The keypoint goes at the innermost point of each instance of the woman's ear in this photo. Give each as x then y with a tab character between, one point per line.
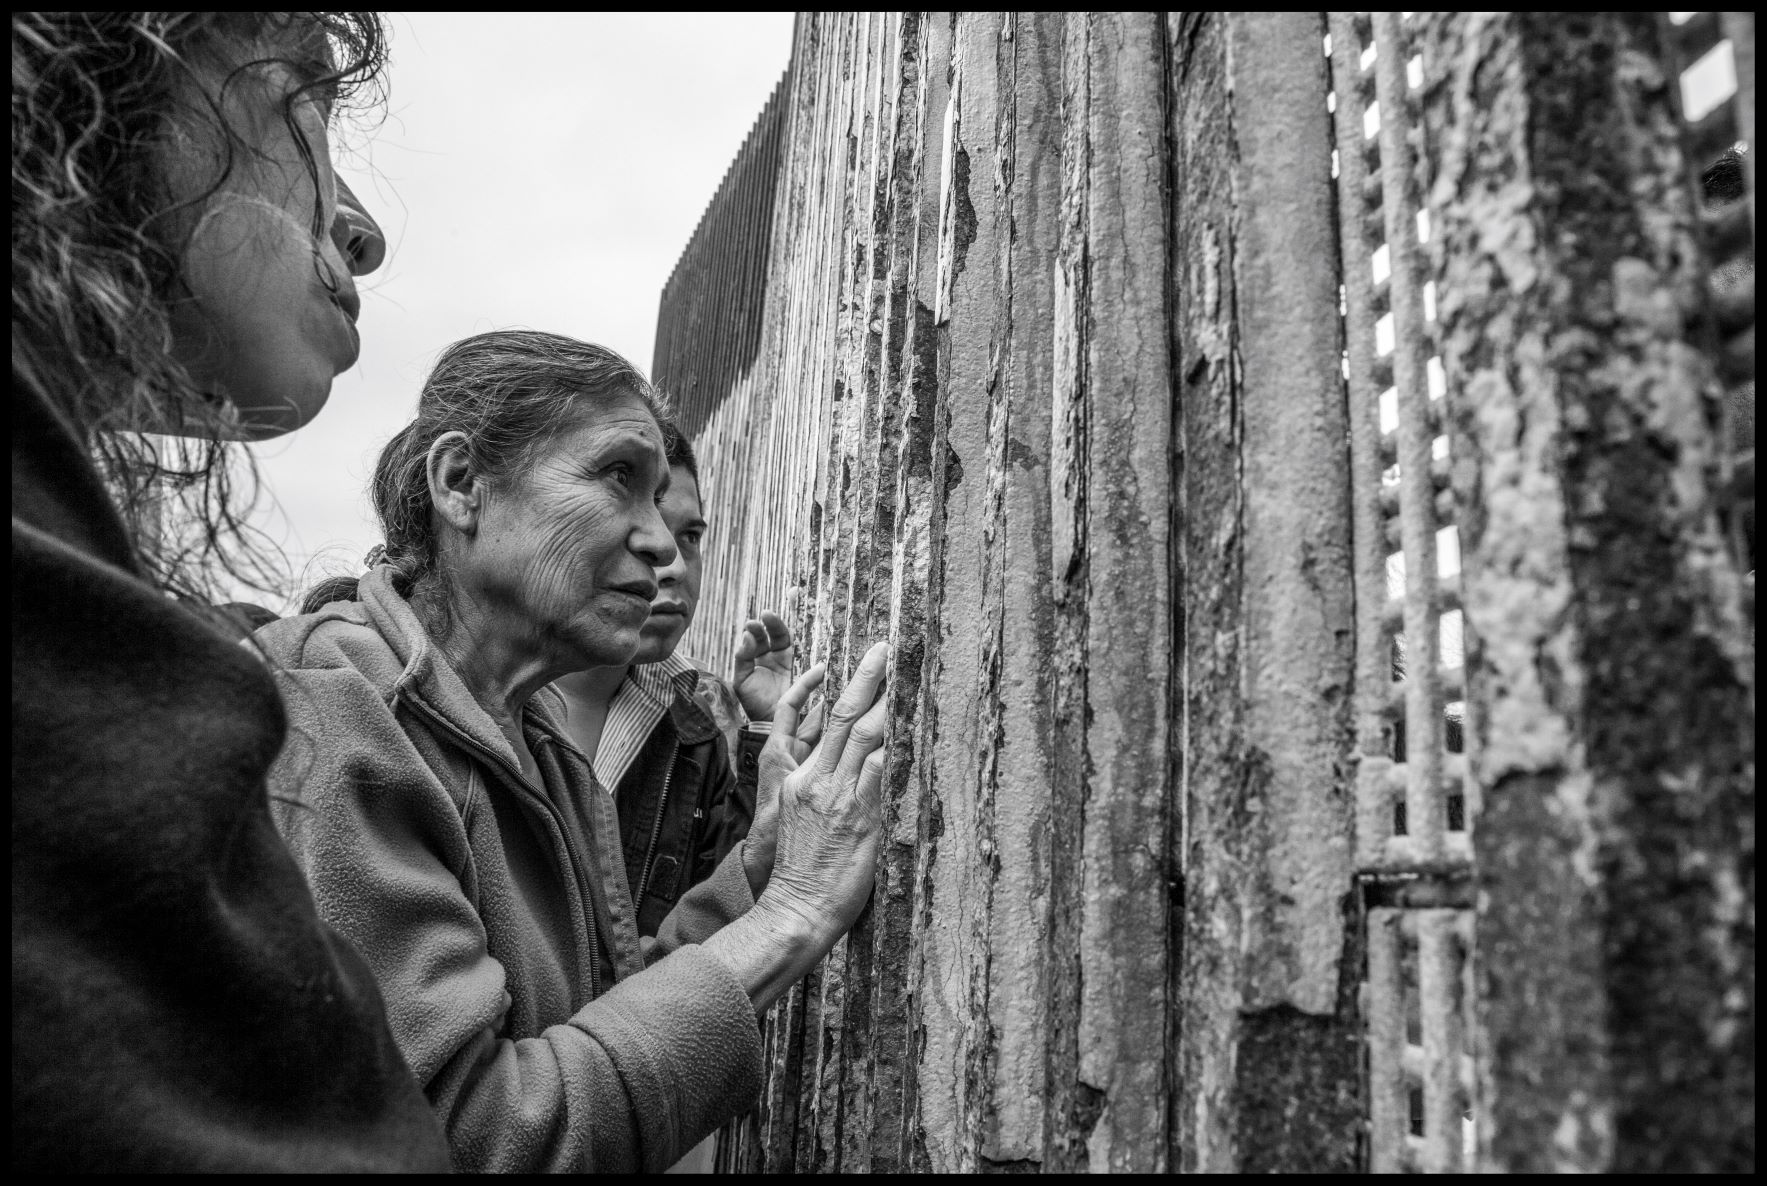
455	490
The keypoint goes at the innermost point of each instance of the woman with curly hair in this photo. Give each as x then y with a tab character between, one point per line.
182	265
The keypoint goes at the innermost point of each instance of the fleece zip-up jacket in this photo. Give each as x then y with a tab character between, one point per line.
178	1006
494	910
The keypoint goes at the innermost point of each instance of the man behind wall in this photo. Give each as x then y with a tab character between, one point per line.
655	730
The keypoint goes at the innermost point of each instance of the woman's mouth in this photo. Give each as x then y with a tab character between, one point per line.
349	307
641	591
355	335
351	303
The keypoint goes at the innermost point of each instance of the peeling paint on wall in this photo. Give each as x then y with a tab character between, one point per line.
1039	374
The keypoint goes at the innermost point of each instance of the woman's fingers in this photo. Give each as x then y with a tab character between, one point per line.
785	713
865	741
809	731
870	788
855	700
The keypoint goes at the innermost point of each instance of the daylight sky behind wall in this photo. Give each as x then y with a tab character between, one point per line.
531	170
537	170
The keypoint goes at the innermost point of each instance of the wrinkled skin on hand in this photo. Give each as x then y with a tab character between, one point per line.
813	845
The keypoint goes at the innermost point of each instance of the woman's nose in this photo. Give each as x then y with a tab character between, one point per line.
356	233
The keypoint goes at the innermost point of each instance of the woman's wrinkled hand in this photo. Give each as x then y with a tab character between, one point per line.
790	743
829	803
811	853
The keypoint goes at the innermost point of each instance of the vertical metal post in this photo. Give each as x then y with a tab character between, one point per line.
1269	1049
1374	765
1438	981
1388	1105
1425	809
1613	670
1739	28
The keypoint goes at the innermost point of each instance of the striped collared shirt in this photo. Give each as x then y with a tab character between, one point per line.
645	695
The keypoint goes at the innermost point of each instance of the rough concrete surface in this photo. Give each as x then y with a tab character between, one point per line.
1615	850
1030	359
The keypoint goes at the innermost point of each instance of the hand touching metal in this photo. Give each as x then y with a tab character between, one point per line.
821	822
763	665
792	739
830	808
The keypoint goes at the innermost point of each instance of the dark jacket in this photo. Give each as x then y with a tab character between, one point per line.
493	908
177	1005
682	807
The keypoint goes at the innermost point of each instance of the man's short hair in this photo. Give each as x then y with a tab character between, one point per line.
680	452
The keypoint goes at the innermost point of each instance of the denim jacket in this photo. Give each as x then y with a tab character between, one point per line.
683	807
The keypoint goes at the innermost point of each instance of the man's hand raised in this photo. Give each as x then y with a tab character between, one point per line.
764	656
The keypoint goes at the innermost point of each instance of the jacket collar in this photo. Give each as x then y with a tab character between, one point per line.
429	678
693	721
648	693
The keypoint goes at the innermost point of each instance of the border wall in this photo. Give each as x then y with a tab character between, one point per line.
1290	458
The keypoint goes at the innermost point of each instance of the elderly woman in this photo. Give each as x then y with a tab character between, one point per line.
450	826
182	264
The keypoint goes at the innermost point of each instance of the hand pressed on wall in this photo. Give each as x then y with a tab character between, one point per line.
829	807
791	741
823	823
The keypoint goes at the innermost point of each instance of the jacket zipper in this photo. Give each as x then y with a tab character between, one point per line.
656	827
521	779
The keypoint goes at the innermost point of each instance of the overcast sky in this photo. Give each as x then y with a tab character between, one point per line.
534	170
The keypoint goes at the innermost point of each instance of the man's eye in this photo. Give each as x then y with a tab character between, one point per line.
620	472
691	537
